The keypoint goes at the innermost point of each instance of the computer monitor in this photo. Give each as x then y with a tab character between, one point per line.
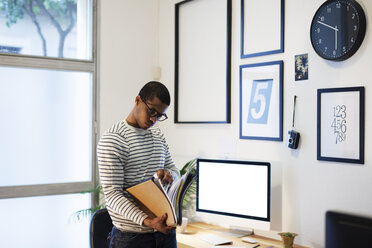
234	188
347	230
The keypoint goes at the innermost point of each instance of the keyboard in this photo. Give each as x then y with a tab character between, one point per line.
214	239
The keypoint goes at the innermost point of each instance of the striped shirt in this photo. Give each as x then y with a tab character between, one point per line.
128	156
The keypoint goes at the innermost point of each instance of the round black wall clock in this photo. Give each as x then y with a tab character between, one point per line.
338	29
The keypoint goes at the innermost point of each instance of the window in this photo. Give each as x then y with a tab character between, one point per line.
49	126
53	28
44	222
48	107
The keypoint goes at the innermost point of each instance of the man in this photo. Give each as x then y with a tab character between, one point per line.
130	152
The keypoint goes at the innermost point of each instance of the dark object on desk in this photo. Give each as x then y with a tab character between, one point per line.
100	227
346	230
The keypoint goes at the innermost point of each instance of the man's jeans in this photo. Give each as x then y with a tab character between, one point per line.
119	239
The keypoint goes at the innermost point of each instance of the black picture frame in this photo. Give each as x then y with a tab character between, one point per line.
252	37
203	86
341	124
261	101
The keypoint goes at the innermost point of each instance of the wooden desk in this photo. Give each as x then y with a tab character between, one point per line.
189	239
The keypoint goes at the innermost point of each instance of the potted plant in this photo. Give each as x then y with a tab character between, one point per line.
98	195
189	197
288	239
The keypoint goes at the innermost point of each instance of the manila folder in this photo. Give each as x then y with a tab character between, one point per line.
149	194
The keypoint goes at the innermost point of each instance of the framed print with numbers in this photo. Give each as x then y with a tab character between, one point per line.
340	125
261	101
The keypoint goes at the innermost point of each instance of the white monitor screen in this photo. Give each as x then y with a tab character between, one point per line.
235	188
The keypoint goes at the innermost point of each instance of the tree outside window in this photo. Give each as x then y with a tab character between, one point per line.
48	18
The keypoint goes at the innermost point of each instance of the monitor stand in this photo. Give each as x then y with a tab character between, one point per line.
236	231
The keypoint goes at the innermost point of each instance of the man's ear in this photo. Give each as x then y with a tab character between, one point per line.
137	100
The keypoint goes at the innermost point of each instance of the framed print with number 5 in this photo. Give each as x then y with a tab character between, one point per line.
340	125
261	101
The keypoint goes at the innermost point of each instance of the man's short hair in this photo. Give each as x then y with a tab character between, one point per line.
155	88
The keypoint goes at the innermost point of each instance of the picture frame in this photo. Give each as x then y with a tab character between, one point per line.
203	85
262	28
261	101
340	124
301	67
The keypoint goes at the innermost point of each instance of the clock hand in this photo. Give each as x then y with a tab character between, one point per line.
336	39
334	28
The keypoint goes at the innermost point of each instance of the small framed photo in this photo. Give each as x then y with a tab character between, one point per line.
340	125
301	67
261	101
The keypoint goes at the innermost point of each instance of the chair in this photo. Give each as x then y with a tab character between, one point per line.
100	227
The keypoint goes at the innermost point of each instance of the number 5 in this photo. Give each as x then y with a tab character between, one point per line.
260	101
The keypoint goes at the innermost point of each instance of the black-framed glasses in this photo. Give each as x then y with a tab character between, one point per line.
154	113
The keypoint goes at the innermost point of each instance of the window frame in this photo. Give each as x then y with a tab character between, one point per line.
55	63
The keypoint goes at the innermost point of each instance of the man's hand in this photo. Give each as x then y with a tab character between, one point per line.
158	224
164	176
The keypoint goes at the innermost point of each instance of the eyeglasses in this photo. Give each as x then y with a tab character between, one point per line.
153	113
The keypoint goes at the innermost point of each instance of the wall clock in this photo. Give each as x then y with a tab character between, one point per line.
337	29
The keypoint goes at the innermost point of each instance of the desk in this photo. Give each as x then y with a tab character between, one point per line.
190	240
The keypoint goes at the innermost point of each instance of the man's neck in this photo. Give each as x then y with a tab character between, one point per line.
132	121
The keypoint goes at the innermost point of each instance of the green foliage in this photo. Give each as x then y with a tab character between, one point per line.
61	14
35	10
189	197
15	9
59	8
84	213
189	166
287	234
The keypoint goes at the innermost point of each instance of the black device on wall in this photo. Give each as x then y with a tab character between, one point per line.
337	29
347	230
293	136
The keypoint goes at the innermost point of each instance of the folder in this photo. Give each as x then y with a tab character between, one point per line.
155	199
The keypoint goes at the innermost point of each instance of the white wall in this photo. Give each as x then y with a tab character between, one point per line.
127	54
309	187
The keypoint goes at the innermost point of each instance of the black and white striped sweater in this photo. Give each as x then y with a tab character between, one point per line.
127	156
